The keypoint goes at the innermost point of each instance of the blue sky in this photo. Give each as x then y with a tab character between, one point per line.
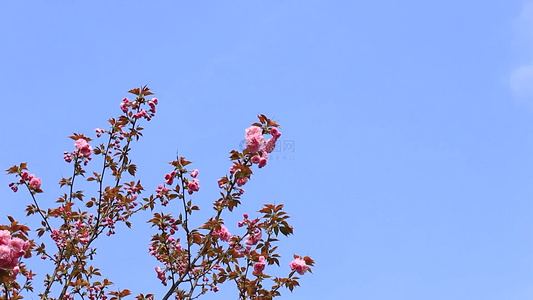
410	167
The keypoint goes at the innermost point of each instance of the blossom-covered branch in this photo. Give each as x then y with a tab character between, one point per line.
192	261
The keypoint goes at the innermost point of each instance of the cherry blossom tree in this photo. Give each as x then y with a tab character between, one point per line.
190	262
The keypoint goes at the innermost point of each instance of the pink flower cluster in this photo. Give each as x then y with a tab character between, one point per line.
254	138
222	182
131	189
169	177
140	114
77	232
261	160
67	156
131	192
126	104
194	173
255	234
11	249
240	181
193	186
255	144
35	183
260	265
58	237
32	181
161	275
99	131
152	103
13	187
161	192
222	233
83	148
298	265
254	237
271	143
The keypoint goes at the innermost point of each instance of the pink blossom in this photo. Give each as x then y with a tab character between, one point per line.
260	265
255	159
169	178
160	275
67	157
263	159
6	259
11	249
262	163
222	233
161	191
220	183
253	131
124	105
254	237
275	132
35	183
152	104
193	186
84	149
298	265
242	181
254	138
99	132
80	143
194	173
270	145
5	236
140	114
18	246
158	270
16	271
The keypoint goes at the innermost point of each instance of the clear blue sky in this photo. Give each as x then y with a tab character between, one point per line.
412	125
